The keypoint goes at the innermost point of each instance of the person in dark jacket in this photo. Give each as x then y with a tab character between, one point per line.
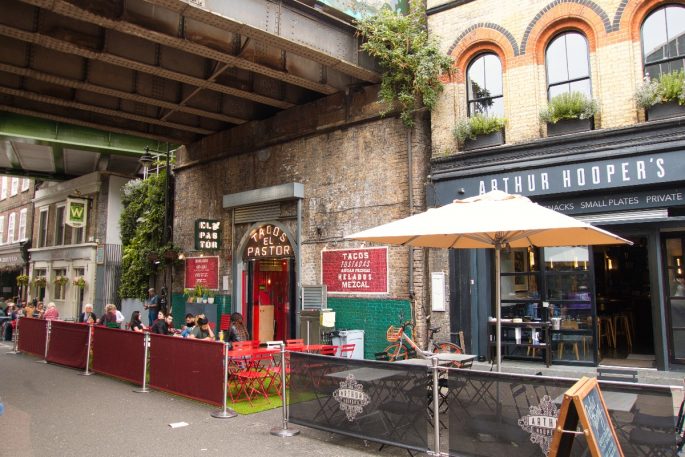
163	326
87	314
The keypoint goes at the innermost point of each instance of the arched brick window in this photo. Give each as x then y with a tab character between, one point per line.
663	40
568	65
484	86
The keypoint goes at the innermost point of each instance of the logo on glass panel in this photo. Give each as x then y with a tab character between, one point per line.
351	397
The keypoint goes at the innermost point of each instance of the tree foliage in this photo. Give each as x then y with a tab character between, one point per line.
411	60
142	226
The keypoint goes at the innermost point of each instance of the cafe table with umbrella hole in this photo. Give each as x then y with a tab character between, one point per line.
494	220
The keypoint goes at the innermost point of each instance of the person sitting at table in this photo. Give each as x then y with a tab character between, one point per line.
163	326
86	314
188	327
136	324
51	313
39	310
237	332
109	319
202	331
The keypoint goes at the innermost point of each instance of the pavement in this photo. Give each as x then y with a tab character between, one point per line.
51	410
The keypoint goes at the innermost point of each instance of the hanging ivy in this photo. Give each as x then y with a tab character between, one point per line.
411	60
142	225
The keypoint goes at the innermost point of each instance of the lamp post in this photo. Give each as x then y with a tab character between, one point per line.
146	160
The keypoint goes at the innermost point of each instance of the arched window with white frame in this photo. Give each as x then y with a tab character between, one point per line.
567	60
484	88
663	40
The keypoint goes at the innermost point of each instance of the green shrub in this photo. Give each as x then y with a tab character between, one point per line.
570	105
669	87
470	128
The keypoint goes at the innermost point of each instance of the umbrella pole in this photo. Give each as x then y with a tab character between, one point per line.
498	308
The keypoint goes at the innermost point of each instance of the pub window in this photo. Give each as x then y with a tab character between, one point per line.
11	222
2	229
77	235
43	228
484	86
568	65
60	289
22	224
25	184
59	226
3	188
663	40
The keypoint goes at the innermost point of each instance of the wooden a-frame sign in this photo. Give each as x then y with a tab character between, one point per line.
584	402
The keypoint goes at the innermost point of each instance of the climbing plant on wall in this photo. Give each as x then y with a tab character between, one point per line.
142	225
410	59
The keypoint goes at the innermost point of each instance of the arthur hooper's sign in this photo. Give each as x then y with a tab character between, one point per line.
355	271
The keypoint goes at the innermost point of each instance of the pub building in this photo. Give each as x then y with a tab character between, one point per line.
605	304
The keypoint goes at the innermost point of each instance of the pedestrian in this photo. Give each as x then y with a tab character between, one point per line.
164	301
152	305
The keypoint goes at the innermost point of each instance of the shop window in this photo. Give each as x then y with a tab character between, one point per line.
22	224
663	40
484	86
59	226
43	228
77	235
25	184
11	222
568	65
60	288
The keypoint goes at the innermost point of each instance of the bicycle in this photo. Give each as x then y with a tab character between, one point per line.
401	351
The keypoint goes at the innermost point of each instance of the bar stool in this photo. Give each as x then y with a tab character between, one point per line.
605	329
622	327
573	340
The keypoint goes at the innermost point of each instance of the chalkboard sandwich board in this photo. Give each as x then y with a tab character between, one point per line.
584	402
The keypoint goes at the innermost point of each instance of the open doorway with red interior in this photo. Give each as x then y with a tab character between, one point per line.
268	299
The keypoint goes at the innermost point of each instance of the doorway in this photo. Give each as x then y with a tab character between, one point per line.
267	303
624	307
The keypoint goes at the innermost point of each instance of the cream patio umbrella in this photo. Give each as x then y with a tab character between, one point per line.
493	220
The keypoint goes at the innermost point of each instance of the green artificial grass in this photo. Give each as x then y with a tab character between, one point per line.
259	403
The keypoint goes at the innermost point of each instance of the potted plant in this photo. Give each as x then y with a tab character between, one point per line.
201	292
663	97
189	294
480	131
210	296
570	112
61	280
40	281
79	282
22	280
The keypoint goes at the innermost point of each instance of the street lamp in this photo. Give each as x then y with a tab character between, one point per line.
146	160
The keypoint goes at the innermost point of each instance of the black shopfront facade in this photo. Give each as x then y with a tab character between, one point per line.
615	305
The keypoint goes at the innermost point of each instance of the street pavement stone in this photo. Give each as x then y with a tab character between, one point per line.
52	410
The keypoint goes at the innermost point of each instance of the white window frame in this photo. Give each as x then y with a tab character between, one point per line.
3	188
43	230
14	186
11	227
25	184
23	216
60	291
2	229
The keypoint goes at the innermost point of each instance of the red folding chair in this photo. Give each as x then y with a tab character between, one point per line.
346	350
295	342
252	379
241	345
225	322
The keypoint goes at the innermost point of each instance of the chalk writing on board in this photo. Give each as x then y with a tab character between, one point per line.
599	423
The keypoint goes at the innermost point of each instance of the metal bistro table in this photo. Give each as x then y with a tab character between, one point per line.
444	358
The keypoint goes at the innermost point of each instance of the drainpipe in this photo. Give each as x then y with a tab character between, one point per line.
410	179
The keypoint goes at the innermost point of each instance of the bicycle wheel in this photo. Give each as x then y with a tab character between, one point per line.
446	346
397	351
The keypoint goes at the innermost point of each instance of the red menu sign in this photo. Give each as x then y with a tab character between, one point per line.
355	271
204	270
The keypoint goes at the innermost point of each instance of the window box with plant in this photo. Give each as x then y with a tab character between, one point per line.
480	131
61	281
40	281
570	112
79	282
663	97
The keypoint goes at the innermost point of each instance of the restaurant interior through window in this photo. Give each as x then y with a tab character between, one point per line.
581	303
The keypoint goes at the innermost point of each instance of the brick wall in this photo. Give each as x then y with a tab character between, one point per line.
519	35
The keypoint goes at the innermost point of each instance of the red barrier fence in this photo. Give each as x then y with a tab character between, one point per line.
68	344
119	353
32	334
188	367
